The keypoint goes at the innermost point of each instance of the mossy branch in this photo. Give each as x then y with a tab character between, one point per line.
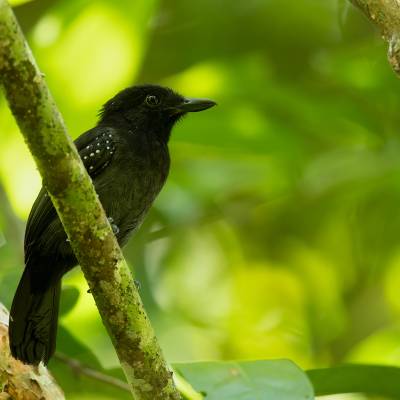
385	14
82	215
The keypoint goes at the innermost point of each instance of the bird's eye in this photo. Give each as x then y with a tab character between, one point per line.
152	100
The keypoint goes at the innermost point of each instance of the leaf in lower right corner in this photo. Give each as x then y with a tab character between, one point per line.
248	380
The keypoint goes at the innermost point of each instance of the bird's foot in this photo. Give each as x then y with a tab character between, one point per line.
137	284
113	226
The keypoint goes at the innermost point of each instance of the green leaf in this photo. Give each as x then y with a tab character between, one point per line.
248	380
69	297
18	2
369	379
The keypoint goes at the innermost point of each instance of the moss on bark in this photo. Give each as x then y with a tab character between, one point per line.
385	14
81	213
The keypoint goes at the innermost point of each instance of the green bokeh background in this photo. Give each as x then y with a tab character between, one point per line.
278	232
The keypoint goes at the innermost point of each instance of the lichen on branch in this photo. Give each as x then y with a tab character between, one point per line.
20	381
82	215
385	14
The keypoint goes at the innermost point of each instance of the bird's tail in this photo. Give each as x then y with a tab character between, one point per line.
33	321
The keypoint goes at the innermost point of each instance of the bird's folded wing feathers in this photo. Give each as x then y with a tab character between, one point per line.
96	148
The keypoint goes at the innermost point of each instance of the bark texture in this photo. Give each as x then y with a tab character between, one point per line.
385	14
82	215
20	381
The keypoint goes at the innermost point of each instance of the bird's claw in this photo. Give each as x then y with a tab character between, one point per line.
113	226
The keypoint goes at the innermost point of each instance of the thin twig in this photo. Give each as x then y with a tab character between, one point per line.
82	369
169	229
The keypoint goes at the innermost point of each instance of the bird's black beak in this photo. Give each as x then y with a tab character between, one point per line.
194	105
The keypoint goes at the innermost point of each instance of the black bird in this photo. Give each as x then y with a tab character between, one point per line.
127	157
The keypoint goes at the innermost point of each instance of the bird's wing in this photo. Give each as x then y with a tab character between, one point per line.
96	148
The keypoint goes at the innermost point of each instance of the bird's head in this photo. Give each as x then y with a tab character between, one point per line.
150	107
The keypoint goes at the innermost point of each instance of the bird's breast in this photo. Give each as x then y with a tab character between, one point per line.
130	184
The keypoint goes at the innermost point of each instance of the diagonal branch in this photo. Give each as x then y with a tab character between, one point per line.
84	220
82	369
385	14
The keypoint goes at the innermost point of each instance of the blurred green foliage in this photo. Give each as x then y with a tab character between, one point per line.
248	380
277	235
